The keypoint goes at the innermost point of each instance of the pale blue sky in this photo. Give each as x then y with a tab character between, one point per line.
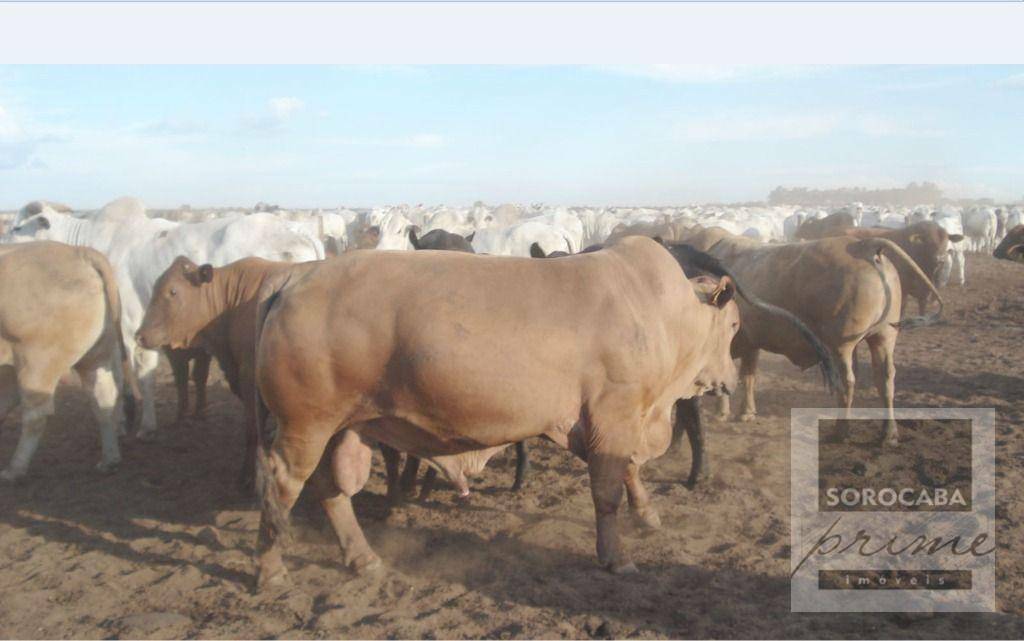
358	135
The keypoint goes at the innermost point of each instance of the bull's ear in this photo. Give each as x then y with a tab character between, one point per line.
412	237
724	293
469	238
205	273
536	251
44	222
955	238
917	239
659	240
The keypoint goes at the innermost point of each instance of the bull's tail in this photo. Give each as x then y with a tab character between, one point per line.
897	255
102	266
706	262
272	510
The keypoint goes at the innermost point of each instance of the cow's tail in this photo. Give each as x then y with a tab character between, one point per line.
133	404
896	254
272	510
708	263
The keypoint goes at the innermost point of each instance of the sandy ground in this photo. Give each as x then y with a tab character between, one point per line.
163	548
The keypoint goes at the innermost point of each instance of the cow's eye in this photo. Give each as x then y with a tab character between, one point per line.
173	292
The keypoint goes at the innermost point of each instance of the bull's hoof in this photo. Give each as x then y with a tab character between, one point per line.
890	441
365	563
272	580
148	436
11	476
623	568
647	519
723	417
108	467
696	479
747	417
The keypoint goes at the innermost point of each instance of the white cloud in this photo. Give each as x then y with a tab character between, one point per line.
1015	81
421	140
171	127
752	127
279	111
755	127
704	74
284	107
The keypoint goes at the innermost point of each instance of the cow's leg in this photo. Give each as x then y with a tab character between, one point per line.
200	375
178	359
639	501
408	480
608	471
105	389
392	465
748	373
37	382
724	408
291	461
882	346
843	357
344	475
427	485
687	419
247	474
9	397
146	361
922	304
522	464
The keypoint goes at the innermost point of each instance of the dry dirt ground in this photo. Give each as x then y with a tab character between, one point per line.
163	548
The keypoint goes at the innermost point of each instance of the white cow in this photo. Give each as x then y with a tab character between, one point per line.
516	239
140	249
980	229
953	270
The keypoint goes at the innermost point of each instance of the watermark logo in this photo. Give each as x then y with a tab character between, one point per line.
905	528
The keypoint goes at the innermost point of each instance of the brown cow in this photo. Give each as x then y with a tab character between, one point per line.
831	225
441	354
214	309
847	290
59	310
1012	247
927	243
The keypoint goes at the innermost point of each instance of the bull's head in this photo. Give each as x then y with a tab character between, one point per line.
1012	247
38	227
718	373
175	313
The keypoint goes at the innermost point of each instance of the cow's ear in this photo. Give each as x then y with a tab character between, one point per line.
724	293
659	240
44	222
469	238
955	238
536	251
917	239
205	273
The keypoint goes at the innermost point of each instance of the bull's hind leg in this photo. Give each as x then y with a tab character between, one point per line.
882	345
37	382
522	465
104	387
392	466
644	513
843	357
340	476
748	373
292	459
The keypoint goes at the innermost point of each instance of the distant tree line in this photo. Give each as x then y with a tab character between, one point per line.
912	194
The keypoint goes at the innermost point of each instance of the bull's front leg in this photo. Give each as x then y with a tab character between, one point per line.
200	376
687	419
748	374
179	369
146	361
607	475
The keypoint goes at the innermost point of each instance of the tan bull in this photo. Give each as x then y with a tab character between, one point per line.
847	290
199	307
832	225
59	310
442	354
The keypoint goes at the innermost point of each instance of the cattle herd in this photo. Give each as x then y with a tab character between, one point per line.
595	328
